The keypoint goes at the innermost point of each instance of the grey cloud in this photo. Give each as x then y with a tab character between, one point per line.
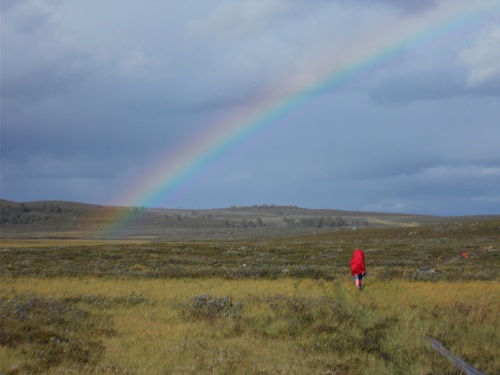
32	63
418	85
26	16
91	101
435	84
8	4
231	21
410	5
47	78
406	5
454	189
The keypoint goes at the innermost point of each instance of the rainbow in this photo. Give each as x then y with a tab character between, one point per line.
174	170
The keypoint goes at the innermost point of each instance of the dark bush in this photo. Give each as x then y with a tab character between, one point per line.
50	332
211	308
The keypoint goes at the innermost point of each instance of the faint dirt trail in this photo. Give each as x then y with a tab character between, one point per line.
351	298
346	293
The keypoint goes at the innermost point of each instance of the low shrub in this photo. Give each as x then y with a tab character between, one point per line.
212	308
107	302
49	332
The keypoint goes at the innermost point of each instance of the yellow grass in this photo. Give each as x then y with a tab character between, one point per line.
159	290
8	358
154	337
382	222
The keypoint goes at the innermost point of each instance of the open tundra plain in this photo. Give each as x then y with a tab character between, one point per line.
246	290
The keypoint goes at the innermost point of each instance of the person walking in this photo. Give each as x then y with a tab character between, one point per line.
358	269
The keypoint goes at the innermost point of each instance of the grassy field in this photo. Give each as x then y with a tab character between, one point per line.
282	305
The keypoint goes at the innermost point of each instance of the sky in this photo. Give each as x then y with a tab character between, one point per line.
380	105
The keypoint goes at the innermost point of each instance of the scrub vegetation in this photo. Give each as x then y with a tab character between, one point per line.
270	305
136	326
77	221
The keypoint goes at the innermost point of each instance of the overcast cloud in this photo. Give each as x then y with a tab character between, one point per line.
93	93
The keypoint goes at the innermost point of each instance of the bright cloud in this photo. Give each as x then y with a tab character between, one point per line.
483	58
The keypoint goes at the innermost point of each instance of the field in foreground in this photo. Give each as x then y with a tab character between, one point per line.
282	305
286	326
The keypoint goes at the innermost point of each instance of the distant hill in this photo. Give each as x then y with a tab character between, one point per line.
61	219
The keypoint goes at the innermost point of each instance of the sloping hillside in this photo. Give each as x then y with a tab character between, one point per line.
59	219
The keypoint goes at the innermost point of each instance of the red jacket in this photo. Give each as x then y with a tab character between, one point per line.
358	262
